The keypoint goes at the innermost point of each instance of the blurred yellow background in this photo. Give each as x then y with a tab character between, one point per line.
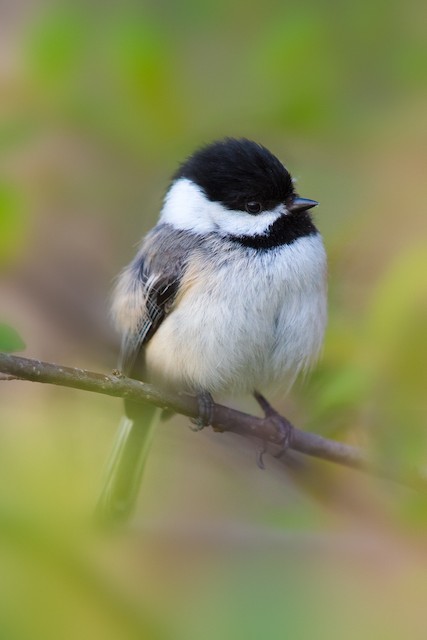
99	102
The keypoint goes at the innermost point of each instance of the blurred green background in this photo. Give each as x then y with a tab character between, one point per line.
100	101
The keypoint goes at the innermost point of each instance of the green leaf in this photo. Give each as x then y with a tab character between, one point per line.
10	340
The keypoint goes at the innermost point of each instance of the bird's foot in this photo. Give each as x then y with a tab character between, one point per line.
204	419
283	427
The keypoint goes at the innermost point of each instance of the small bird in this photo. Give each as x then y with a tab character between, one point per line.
226	296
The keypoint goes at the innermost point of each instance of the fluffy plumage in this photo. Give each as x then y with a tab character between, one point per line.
238	318
227	293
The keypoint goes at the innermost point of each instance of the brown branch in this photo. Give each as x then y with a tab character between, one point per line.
5	378
223	418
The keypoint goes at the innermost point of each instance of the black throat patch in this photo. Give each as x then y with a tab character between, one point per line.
285	230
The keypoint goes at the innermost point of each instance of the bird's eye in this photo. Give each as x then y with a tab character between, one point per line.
253	207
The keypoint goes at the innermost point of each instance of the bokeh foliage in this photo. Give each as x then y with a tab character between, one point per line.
99	103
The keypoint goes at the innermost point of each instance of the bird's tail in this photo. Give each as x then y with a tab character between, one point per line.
126	464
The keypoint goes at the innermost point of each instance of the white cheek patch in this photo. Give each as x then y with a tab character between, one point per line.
186	207
240	223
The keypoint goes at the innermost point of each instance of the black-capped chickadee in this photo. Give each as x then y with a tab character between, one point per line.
226	295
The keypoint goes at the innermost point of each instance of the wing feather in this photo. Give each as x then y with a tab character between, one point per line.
146	291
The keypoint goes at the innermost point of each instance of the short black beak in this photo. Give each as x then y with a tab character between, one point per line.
298	204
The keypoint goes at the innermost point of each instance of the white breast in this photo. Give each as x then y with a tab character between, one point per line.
250	320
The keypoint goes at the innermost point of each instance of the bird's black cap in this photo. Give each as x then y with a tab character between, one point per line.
237	171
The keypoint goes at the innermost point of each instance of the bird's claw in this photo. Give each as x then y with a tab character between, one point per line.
204	419
284	433
283	427
260	456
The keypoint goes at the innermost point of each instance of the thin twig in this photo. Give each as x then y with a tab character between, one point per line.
223	418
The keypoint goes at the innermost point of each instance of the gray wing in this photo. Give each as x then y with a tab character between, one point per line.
147	290
159	293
